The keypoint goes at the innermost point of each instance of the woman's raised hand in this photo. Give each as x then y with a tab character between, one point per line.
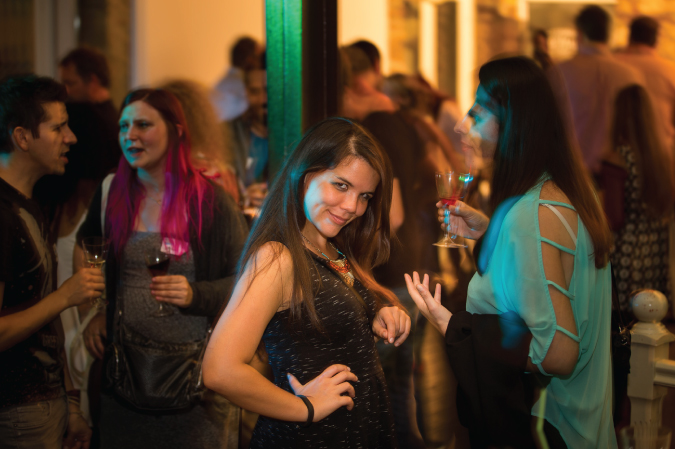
174	289
463	220
328	391
392	325
430	306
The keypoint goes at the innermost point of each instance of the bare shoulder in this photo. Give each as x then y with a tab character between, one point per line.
271	256
550	191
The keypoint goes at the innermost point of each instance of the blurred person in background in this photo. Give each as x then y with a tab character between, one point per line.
35	378
428	108
410	162
249	139
210	153
373	54
416	102
361	94
659	75
92	115
157	201
229	95
592	78
540	45
638	193
639	208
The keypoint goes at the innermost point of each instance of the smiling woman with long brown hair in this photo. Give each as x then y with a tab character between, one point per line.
305	287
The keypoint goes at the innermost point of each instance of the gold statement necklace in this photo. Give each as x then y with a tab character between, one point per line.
342	266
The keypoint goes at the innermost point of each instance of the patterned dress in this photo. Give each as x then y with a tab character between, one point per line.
640	254
305	353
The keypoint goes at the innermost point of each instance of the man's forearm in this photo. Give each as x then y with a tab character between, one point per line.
16	327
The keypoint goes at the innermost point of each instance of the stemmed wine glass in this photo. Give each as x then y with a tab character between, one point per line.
96	252
158	262
452	187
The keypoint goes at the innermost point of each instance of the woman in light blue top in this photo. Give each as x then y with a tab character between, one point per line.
544	255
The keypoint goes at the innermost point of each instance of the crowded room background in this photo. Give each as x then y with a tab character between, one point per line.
332	223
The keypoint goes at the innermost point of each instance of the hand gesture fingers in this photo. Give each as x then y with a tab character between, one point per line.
430	306
390	323
174	290
405	324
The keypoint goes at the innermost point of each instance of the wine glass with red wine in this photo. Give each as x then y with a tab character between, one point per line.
158	264
451	187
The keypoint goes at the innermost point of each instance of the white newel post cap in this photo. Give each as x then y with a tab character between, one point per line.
650	307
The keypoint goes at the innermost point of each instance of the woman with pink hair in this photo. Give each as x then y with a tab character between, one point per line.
158	203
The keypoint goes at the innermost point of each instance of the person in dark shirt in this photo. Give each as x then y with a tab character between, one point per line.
34	141
93	119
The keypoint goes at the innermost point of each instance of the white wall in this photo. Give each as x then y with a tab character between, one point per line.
365	19
189	39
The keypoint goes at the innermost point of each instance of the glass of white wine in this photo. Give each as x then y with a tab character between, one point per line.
95	253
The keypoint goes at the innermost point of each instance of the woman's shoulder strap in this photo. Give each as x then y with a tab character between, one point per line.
105	190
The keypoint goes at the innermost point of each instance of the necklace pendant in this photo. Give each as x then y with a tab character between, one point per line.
344	268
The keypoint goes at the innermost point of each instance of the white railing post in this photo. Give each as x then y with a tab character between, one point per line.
650	370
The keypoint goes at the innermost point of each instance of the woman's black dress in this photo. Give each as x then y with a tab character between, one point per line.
305	353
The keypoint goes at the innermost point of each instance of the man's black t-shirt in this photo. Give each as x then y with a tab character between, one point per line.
31	370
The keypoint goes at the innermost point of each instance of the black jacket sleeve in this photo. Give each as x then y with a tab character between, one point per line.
216	257
488	354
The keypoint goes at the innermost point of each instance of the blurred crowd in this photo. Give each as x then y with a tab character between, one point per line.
618	108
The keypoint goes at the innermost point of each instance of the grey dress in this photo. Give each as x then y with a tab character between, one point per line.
123	427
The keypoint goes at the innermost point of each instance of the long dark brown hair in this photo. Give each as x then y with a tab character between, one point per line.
533	142
365	240
634	125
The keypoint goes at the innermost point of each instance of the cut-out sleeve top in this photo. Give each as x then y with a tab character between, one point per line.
578	405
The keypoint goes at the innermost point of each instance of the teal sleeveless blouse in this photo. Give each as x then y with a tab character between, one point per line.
578	405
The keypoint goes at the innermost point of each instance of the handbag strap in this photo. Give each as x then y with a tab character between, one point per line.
105	191
615	303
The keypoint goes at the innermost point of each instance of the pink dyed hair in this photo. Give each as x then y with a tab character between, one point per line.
186	192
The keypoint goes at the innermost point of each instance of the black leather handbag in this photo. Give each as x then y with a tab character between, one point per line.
155	376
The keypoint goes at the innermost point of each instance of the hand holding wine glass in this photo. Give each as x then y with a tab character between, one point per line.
451	187
95	253
464	219
158	262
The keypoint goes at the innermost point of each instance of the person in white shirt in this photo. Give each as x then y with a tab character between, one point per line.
659	75
229	95
593	77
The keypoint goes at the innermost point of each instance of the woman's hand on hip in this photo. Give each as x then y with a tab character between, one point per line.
463	220
173	289
430	306
94	336
392	324
329	391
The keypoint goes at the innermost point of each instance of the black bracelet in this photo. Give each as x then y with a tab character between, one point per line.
310	411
